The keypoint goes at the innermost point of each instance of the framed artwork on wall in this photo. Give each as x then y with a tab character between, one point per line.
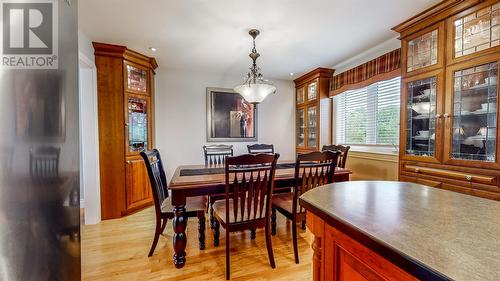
230	117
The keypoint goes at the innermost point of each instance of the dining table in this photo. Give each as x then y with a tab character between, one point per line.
198	180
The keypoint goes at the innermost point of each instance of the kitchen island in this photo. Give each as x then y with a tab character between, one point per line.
382	230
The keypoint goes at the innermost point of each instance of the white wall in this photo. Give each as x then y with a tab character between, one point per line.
368	55
180	116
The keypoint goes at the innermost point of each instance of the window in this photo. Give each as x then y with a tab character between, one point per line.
368	115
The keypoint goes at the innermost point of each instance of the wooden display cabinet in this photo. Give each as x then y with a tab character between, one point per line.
313	110
125	86
449	136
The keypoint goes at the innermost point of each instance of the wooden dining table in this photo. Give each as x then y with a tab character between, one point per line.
196	180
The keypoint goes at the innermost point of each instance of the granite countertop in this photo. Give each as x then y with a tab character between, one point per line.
454	235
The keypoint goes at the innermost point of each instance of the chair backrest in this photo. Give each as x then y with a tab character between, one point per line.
312	170
249	185
157	178
44	162
216	154
260	148
343	149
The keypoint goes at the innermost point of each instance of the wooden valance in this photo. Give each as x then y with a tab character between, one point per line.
384	67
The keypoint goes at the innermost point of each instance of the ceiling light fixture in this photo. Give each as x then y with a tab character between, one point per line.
291	73
255	88
153	49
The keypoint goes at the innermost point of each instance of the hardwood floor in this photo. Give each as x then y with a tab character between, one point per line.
117	250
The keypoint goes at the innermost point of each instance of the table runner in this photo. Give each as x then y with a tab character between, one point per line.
220	170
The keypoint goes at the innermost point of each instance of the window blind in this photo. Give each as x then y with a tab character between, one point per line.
368	115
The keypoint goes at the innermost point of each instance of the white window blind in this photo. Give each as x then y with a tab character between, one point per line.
368	115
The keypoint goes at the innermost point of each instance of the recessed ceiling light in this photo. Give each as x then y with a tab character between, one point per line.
291	73
153	49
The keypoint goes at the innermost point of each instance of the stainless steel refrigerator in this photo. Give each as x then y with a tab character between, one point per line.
39	141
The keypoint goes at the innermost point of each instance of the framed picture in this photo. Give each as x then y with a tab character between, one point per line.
230	117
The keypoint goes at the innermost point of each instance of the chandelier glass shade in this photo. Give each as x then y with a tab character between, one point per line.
255	88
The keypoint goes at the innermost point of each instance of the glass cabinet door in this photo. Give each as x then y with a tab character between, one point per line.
475	113
300	95
312	91
312	115
422	51
137	124
420	123
477	31
136	79
301	127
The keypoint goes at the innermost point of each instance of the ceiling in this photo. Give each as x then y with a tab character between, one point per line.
211	35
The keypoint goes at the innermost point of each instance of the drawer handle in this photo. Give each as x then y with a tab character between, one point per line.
468	177
417	170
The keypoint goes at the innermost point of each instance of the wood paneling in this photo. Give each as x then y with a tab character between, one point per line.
111	135
124	184
338	257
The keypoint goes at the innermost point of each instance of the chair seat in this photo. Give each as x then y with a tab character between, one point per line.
283	201
220	211
193	204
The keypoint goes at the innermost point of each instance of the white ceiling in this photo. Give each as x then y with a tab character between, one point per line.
211	35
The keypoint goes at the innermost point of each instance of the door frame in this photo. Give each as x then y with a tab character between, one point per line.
89	143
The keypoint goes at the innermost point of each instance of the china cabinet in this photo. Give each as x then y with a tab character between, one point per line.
313	110
449	136
125	89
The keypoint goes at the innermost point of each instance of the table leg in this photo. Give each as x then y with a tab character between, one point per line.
179	223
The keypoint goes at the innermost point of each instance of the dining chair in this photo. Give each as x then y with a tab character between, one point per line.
247	205
260	148
195	206
343	149
311	170
44	162
215	155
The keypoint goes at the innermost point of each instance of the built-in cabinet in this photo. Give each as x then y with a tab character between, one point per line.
449	136
313	110
125	86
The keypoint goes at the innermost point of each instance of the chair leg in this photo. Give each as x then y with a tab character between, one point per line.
304	224
273	221
201	230
216	233
252	233
269	245
163	225
212	219
228	258
294	235
157	236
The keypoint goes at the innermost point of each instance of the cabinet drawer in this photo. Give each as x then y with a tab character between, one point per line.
471	191
463	176
426	182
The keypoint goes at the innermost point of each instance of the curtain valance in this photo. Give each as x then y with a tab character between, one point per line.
384	67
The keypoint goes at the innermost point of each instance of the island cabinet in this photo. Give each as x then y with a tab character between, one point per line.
125	90
449	136
388	230
313	110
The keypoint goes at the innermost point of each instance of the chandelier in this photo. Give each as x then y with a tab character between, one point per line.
255	88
